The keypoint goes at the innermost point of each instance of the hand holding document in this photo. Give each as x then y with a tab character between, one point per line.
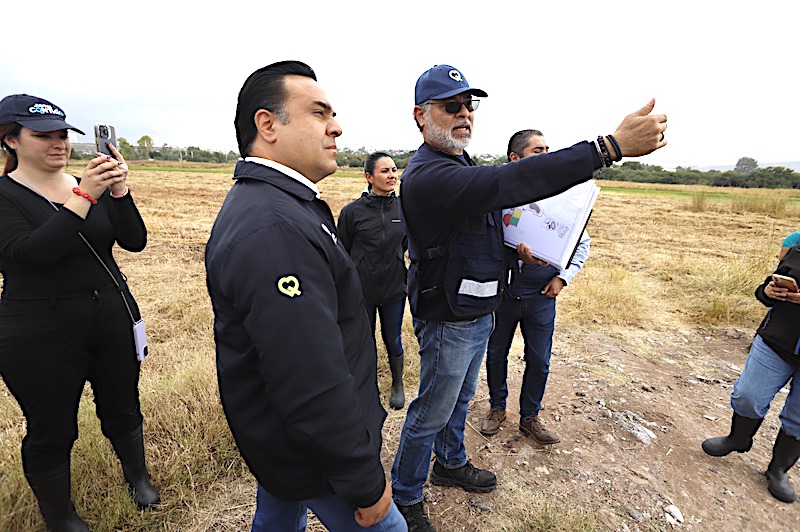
552	227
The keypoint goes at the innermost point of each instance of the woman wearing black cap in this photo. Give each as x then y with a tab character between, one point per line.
65	313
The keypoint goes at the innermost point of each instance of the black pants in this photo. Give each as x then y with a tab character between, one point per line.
49	349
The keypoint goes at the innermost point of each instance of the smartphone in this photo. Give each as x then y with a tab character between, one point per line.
784	281
104	135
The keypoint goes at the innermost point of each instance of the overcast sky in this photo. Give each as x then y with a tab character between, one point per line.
724	72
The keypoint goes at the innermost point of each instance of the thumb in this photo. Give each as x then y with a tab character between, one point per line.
647	109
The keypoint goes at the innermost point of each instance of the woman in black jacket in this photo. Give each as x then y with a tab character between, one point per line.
371	232
65	318
774	360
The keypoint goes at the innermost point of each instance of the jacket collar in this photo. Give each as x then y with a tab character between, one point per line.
277	175
432	150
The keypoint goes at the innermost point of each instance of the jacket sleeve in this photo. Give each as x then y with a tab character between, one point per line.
450	189
289	306
763	297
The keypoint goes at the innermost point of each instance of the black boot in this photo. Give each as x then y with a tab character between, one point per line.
52	492
416	517
130	450
784	455
740	439
398	398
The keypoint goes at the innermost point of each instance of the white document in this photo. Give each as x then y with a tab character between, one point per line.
552	227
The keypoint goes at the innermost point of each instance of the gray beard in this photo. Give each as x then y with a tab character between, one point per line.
443	137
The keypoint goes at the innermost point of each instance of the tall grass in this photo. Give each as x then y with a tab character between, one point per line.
774	205
700	201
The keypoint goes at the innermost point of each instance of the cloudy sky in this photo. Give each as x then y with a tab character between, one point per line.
724	72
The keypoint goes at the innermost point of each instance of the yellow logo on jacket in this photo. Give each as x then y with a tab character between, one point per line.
289	286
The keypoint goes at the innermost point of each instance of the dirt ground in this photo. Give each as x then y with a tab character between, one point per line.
631	419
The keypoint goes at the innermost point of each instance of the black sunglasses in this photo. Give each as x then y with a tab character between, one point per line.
455	107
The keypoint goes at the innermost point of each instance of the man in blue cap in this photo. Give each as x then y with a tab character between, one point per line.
456	280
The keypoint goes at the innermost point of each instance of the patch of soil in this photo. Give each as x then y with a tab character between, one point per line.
631	414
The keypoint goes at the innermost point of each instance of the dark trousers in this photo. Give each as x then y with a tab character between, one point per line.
391	315
49	349
536	317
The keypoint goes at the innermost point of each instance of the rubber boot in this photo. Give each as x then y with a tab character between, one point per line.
740	439
130	450
52	493
398	398
784	455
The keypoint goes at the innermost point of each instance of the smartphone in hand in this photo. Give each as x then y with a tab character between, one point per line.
104	135
784	281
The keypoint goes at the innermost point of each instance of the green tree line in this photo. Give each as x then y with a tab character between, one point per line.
746	174
144	149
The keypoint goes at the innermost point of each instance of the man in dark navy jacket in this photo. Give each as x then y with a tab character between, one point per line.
296	358
451	216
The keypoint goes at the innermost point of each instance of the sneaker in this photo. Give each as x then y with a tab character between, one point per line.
531	426
491	423
416	518
467	477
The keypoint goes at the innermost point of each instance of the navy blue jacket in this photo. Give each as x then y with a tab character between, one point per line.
439	192
296	358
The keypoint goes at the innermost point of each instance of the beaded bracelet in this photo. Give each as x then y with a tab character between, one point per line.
121	195
604	151
84	195
616	146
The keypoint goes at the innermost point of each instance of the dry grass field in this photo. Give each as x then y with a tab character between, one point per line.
652	333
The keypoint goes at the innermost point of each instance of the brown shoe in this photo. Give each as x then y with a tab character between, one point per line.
491	423
531	426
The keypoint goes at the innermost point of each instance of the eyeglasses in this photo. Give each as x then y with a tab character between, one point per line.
455	107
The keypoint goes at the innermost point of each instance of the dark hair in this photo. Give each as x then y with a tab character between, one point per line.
9	130
519	140
369	164
264	89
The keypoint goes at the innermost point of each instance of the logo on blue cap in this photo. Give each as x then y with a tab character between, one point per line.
442	81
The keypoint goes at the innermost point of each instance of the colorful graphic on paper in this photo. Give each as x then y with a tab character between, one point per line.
512	218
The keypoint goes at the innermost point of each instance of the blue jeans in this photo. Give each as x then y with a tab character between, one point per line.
391	315
764	374
450	361
277	515
536	317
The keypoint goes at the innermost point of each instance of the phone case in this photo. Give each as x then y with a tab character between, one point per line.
140	340
103	135
785	282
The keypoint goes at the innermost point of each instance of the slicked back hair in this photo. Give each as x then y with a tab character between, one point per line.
264	89
519	140
369	164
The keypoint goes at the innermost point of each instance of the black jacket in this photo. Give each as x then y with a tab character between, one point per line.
371	232
440	192
780	328
296	358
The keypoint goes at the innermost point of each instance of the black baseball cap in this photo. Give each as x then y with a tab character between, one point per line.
442	81
34	113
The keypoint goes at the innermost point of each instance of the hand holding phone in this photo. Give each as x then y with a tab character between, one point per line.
104	134
784	281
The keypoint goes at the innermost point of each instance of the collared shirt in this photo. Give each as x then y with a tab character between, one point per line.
282	168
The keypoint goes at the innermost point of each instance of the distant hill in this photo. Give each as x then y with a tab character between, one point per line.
793	165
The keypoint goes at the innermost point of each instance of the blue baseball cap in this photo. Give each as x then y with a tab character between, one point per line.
34	113
442	81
